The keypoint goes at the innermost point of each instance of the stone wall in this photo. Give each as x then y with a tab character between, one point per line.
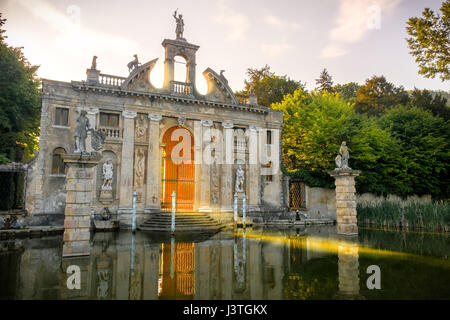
321	202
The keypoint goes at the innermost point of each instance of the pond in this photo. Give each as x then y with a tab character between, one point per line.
264	263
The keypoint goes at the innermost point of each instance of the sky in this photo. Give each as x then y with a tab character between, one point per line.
353	39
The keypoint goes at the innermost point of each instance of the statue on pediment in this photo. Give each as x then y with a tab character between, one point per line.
180	25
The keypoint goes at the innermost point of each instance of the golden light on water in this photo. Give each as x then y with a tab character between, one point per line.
341	246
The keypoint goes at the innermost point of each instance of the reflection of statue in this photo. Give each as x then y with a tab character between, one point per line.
108	171
81	133
94	63
342	158
102	289
180	25
133	64
240	177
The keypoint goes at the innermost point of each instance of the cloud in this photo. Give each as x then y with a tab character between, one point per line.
280	24
73	37
332	51
276	49
355	19
238	23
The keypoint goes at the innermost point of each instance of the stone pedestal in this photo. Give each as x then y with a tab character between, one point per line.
79	183
346	201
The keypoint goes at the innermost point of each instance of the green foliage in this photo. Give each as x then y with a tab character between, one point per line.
405	151
378	95
19	102
325	82
424	151
347	91
433	216
436	103
429	42
268	87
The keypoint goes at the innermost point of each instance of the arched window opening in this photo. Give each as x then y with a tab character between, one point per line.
57	161
180	72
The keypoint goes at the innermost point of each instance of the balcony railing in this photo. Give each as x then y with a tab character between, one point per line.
181	87
112	132
242	98
110	80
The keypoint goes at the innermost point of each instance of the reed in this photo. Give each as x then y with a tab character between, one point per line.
433	216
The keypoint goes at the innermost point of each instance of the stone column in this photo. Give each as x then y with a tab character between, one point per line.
227	164
92	116
346	200
153	197
77	215
205	168
198	160
254	177
126	169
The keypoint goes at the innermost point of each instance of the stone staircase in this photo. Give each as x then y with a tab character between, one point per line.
184	222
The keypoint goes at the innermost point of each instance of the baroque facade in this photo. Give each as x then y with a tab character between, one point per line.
144	126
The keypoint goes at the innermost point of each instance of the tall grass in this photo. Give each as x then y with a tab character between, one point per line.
433	216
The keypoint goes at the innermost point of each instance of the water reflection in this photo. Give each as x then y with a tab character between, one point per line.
257	264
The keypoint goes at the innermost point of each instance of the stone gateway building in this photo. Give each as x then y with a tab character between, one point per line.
159	141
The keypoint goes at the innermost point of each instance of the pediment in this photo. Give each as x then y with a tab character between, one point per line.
139	78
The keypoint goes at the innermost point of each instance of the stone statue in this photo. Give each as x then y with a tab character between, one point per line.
94	63
141	127
342	157
180	25
108	171
240	177
81	133
133	64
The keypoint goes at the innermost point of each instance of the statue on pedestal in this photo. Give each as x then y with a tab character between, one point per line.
180	25
240	177
81	133
342	157
94	63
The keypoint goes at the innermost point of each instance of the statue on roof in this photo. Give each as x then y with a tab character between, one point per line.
180	25
133	64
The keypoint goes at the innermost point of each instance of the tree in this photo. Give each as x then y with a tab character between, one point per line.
347	91
19	103
424	150
268	87
429	42
437	104
325	82
377	95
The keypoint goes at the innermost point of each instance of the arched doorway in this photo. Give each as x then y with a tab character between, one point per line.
177	170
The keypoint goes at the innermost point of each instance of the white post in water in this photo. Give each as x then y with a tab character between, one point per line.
244	203
172	227
235	208
133	227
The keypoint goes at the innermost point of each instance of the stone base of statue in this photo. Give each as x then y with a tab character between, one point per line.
106	225
347	223
106	196
77	215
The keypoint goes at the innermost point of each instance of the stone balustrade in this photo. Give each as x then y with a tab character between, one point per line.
243	99
110	80
112	132
181	87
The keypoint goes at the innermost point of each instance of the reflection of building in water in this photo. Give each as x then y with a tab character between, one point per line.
240	264
177	271
348	270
